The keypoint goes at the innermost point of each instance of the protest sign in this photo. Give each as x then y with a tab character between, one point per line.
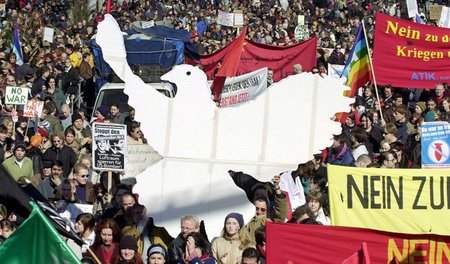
225	19
16	95
109	148
48	34
335	70
33	108
243	88
435	145
435	12
139	158
408	54
444	20
238	18
413	201
412	8
334	244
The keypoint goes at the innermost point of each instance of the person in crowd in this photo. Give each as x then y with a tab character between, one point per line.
188	224
54	92
86	159
399	149
388	160
404	127
128	252
156	254
152	235
66	118
9	124
67	191
84	188
263	212
84	226
21	130
314	201
228	248
374	133
6	143
7	228
390	132
441	93
61	152
196	250
363	161
44	172
269	77
50	185
101	114
297	68
359	138
135	135
250	256
19	165
55	124
82	135
431	113
445	113
106	244
388	98
69	140
339	153
124	217
115	115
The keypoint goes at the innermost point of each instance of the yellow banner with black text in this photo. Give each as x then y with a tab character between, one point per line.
413	201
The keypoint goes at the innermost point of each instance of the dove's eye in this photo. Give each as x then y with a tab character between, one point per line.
188	73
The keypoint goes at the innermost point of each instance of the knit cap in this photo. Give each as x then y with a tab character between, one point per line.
128	242
239	218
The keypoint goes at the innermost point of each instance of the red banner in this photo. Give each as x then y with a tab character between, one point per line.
256	56
297	243
410	55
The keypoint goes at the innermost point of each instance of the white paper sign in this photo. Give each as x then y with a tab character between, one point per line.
444	21
109	148
412	8
238	18
33	108
16	95
225	19
48	34
139	158
243	88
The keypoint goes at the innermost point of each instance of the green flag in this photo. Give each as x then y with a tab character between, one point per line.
36	241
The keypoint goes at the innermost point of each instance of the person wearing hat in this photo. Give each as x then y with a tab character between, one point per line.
61	152
128	251
101	113
82	134
18	165
43	174
156	254
233	240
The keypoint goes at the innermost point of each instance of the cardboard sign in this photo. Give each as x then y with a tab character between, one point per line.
435	12
16	95
109	148
238	18
33	108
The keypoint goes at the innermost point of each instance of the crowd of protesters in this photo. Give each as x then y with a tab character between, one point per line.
53	151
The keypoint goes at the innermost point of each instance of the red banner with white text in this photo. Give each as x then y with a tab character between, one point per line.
410	55
256	56
299	243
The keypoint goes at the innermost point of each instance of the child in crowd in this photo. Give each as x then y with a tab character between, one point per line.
314	201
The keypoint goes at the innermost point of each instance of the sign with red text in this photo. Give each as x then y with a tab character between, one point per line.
33	108
408	54
243	88
334	244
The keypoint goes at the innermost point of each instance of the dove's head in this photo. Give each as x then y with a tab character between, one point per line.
187	76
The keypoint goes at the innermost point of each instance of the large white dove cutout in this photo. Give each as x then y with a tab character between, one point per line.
200	142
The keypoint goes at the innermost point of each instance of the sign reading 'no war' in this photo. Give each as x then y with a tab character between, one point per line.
16	95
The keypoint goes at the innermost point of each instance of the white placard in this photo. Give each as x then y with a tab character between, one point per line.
16	95
109	148
139	158
48	34
33	108
225	19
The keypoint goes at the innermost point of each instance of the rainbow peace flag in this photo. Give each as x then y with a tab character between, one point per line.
357	68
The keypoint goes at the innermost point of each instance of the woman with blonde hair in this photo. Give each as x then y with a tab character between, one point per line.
227	249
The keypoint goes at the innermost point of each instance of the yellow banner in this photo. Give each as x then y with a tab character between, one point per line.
413	201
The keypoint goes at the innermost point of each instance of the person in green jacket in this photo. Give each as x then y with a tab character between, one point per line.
18	165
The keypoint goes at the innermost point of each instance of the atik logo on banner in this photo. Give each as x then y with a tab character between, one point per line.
438	151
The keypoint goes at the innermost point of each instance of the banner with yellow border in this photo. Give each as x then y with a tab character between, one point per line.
413	201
